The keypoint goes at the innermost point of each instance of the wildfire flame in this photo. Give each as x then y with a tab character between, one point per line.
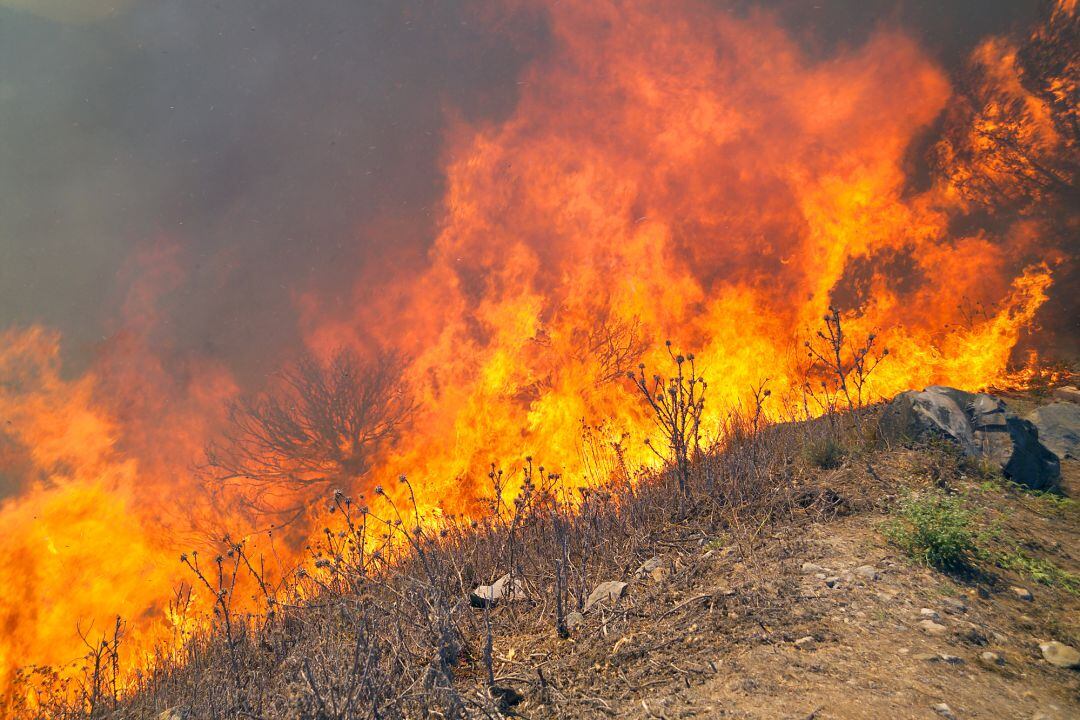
669	170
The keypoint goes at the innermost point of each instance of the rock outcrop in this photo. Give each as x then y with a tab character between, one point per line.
1059	428
981	425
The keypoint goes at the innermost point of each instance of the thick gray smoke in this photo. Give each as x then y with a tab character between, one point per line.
277	144
267	139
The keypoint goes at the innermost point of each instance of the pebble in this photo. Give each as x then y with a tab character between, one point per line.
951	659
867	572
810	568
1060	655
805	643
929	614
502	589
932	628
573	619
1022	593
970	633
832	581
991	659
944	711
606	592
648	567
955	606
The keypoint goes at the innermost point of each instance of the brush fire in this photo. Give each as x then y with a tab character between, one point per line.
684	190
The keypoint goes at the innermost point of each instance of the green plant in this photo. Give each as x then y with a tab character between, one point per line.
935	530
1038	569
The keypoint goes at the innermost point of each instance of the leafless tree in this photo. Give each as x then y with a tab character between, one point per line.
614	347
319	428
677	403
841	366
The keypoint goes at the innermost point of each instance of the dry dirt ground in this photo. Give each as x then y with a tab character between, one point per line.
820	617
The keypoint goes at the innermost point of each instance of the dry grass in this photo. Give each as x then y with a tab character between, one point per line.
381	625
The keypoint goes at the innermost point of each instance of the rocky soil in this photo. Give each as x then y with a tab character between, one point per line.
821	617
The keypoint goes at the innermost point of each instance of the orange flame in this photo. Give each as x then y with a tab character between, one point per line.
669	171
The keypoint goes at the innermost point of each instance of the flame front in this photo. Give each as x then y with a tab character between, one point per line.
669	171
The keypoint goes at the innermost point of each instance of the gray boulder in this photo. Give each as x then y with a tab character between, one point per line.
1059	428
981	425
934	412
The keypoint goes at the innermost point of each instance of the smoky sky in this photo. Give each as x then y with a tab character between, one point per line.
277	144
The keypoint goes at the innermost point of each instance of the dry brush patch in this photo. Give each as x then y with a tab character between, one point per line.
380	623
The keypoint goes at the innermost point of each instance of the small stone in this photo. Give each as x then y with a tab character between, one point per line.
932	628
606	592
805	643
944	711
954	606
832	581
929	614
1022	593
505	697
971	634
867	572
810	568
1060	655
488	595
951	659
574	619
990	659
646	569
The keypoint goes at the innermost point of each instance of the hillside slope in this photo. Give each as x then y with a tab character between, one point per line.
824	618
809	570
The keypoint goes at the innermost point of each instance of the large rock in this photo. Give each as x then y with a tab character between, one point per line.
981	425
1059	428
1067	394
